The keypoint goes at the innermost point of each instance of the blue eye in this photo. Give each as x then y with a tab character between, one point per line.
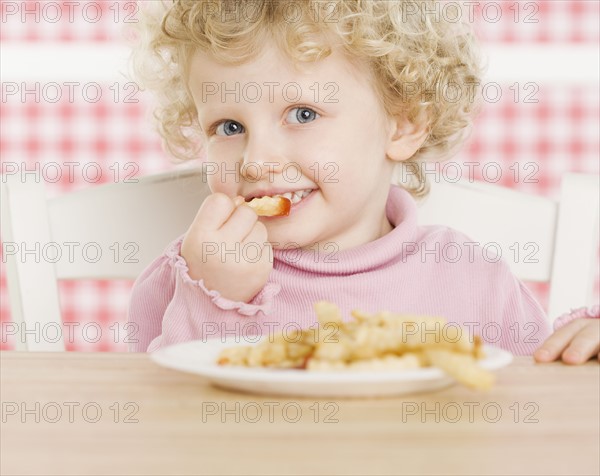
301	115
229	128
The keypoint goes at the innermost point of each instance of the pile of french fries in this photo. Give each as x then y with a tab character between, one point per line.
381	342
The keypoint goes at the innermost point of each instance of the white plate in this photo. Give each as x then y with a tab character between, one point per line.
199	357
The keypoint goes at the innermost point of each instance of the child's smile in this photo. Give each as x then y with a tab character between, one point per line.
316	134
295	196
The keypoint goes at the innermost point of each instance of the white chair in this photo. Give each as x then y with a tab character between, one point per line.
129	223
138	220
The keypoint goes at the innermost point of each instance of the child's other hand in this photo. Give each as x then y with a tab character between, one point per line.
227	247
576	342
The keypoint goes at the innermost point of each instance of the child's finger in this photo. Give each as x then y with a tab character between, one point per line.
585	344
214	211
240	223
554	346
258	235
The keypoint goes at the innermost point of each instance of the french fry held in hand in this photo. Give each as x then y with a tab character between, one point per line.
270	206
381	342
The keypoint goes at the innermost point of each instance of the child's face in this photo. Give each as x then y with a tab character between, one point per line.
271	128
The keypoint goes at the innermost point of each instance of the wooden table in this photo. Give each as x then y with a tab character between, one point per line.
114	413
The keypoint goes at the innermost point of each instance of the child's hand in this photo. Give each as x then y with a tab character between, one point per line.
575	342
227	247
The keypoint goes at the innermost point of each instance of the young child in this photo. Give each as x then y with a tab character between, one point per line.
320	101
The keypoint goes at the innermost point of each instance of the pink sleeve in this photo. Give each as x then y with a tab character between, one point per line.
592	312
525	324
167	306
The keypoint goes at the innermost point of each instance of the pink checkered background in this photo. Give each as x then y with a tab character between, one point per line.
559	133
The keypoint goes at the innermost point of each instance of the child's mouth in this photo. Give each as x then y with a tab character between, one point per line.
294	197
297	196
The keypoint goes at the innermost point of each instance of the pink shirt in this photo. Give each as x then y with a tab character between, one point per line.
432	270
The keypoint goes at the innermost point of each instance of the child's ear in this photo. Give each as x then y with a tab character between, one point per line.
406	137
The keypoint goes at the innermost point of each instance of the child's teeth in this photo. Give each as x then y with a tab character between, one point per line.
295	197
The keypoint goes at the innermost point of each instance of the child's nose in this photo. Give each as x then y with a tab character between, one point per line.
263	158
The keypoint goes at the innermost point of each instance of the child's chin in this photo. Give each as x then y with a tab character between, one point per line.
285	241
286	244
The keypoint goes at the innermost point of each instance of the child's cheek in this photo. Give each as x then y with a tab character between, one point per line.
221	169
219	184
322	163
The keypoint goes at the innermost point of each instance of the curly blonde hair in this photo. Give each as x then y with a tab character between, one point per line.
415	57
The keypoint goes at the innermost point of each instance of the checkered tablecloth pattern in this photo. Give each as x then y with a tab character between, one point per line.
557	134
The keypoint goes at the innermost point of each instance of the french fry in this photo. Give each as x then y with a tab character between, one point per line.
328	312
384	341
461	367
234	356
270	206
